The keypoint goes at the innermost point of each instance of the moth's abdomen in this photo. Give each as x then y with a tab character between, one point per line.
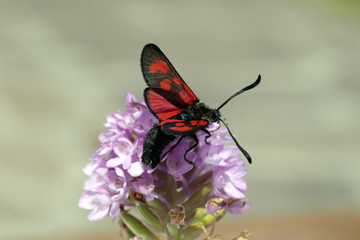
155	142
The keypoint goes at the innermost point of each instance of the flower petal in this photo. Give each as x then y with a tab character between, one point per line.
136	169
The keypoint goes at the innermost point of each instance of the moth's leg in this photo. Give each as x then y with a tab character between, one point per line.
174	146
191	148
208	135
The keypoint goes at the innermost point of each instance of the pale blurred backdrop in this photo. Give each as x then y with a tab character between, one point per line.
64	65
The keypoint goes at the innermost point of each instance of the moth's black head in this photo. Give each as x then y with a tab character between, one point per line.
215	115
206	113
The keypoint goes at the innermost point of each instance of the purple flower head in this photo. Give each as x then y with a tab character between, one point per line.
115	170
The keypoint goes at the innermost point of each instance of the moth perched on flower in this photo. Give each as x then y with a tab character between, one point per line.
177	199
179	111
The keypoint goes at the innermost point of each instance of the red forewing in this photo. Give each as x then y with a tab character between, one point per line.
162	78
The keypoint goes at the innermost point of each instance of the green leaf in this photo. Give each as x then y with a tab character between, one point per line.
137	227
199	215
158	205
173	230
199	196
208	219
149	216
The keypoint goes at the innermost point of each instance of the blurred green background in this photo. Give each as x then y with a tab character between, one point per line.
64	65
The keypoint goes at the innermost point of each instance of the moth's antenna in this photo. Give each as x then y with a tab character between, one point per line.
246	154
254	84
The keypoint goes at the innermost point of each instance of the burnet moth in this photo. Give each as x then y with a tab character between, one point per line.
179	111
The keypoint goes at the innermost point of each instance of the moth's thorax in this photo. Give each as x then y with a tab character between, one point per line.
199	111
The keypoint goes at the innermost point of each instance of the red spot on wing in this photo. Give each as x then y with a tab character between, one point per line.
186	97
198	123
157	66
203	122
177	80
161	107
190	94
181	129
165	84
182	122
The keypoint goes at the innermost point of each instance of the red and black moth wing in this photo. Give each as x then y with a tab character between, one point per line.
163	79
180	127
167	95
